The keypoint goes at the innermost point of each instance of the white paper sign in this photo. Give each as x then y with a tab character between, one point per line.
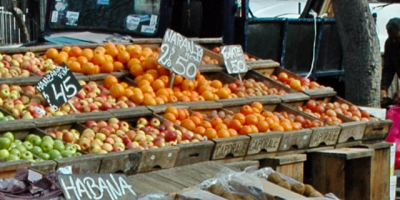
54	16
153	20
148	29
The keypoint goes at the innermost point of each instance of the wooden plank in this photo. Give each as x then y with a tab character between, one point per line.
262	66
44	166
358	179
203	105
130	112
22	81
351	131
89	163
284	153
266	99
284	160
295	140
234	102
319	149
96	116
348	144
194	152
54	121
8	169
174	175
260	156
291	97
126	162
229	160
206	68
377	130
162	158
324	136
380	174
16	125
142	184
235	147
298	172
320	92
264	142
167	187
349	153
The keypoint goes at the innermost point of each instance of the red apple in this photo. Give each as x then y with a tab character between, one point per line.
91	124
131	134
171	136
189	135
132	145
155	122
68	137
102	124
142	121
109	140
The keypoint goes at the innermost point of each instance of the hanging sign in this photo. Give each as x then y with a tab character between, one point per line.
180	54
234	59
58	86
96	186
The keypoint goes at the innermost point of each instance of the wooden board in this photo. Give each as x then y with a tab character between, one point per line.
203	104
263	65
294	97
45	166
89	163
230	147
162	158
21	81
264	143
294	140
351	131
377	130
126	162
161	108
8	169
54	121
96	116
194	152
324	136
234	102
289	165
210	68
269	99
130	112
16	125
260	156
320	92
348	144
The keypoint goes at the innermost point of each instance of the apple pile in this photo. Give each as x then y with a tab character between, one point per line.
208	60
34	148
20	65
115	135
248	120
295	83
247	57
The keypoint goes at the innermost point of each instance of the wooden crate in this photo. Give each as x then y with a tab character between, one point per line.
289	165
226	148
87	163
45	166
126	162
155	159
8	169
312	93
264	143
345	172
194	153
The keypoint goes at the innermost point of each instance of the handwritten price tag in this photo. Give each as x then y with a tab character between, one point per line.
234	59
180	54
58	86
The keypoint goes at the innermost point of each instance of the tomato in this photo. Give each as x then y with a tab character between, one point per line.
319	109
311	104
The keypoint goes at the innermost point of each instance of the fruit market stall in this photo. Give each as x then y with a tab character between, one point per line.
135	116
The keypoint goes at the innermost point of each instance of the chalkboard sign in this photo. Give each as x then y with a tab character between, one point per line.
180	54
96	186
58	86
234	59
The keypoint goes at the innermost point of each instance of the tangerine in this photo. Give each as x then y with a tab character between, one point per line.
149	101
82	60
223	133
117	90
210	133
88	53
173	110
245	130
123	57
51	53
107	67
188	124
136	70
75	51
98	59
75	66
118	66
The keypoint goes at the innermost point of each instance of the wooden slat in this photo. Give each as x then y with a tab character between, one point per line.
293	97
88	163
351	131
377	130
163	158
8	169
266	142
267	99
295	140
44	166
358	179
96	116
349	153
54	121
324	136
234	102
241	166
236	147
194	152
130	112
126	161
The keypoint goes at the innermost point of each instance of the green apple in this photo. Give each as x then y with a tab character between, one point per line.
36	150
4	153
16	152
21	148
46	146
27	145
5	143
48	138
17	141
9	135
13	145
12	157
9	117
1	115
66	153
27	155
28	137
44	156
59	145
35	140
71	147
54	154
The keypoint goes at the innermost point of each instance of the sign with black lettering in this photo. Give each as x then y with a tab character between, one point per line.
180	54
96	186
58	86
234	59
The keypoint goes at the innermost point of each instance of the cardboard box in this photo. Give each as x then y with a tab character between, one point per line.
392	189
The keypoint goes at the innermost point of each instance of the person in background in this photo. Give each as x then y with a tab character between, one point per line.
391	64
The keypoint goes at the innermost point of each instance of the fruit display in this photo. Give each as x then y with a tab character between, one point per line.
247	57
331	112
6	117
299	84
114	135
207	60
34	148
249	119
300	188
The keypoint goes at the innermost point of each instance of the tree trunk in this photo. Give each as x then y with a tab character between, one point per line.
18	15
362	60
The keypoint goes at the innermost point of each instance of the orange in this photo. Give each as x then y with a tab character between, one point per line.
278	128
245	130
136	70
215	121
60	58
208	95
66	49
151	62
88	68
109	45
148	77
109	58
188	85
146	89
263	126
135	51
221	126
206	124
158	84
216	84
162	91
254	128
287	126
235	124
223	133
257	105
138	98
75	51
198	114
188	124
196	120
149	101
51	53
75	66
123	57
182	114
124	84
153	72
82	60
133	61
99	50
178	79
240	117
163	71
199	130
118	66
173	110
224	93
251	120
143	82
117	90
233	132
246	110
128	92
109	81
112	51
121	47
98	59
184	98
210	133
107	67
88	53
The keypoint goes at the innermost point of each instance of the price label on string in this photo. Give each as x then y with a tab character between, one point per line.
180	54
58	86
234	59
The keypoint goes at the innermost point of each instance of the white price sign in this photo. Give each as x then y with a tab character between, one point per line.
234	59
